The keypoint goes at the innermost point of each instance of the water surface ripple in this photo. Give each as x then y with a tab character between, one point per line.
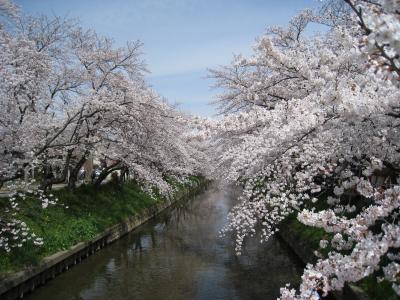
179	255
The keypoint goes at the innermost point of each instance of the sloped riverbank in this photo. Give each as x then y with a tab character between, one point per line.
304	240
93	236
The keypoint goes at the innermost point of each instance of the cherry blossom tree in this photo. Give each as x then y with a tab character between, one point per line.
310	128
66	94
8	8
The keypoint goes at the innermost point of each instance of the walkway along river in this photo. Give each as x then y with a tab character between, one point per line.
179	255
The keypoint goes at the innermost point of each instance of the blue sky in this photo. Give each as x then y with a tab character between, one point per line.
182	38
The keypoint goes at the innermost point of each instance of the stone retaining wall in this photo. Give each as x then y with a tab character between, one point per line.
21	283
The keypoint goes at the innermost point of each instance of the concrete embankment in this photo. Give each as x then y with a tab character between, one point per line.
17	285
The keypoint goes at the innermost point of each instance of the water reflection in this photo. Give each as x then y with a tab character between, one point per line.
179	256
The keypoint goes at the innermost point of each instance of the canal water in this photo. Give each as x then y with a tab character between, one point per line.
179	255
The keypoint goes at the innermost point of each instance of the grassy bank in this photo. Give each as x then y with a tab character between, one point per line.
305	240
78	216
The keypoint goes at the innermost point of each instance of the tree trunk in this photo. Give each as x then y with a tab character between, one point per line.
124	174
103	175
73	175
48	182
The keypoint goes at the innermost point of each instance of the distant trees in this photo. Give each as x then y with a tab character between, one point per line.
310	128
67	93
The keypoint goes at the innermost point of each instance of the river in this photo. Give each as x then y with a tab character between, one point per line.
179	255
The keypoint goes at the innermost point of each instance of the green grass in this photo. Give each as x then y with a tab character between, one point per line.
78	216
377	290
310	234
